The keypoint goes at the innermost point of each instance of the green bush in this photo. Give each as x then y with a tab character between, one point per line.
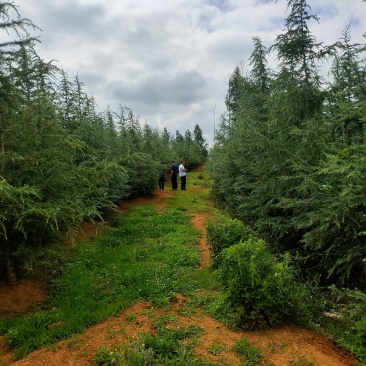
261	290
142	172
222	232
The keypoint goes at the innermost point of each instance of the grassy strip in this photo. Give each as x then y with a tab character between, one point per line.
145	256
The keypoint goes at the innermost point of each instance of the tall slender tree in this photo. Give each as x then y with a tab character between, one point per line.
200	141
234	95
15	33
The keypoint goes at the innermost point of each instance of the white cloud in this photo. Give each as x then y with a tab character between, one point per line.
170	60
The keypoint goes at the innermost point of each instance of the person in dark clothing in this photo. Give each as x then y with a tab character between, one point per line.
173	174
161	179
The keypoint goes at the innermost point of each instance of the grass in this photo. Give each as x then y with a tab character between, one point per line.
194	200
163	348
145	256
249	355
216	349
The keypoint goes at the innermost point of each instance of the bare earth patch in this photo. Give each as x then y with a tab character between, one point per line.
20	298
279	345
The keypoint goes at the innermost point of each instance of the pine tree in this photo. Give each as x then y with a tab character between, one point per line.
258	62
200	141
234	95
10	97
348	91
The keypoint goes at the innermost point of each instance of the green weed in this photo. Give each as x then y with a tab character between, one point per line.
249	354
164	320
130	317
193	200
216	349
164	348
186	309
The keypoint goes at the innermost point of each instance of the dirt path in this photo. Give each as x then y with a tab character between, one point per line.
281	346
198	222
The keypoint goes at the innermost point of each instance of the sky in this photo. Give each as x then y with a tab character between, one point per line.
170	61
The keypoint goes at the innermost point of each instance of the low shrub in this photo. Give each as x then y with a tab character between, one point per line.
222	232
261	290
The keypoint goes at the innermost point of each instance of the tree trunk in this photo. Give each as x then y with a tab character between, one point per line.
11	274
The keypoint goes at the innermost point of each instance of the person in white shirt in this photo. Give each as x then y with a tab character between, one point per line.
183	175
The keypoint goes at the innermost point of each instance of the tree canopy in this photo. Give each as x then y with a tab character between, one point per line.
62	160
289	157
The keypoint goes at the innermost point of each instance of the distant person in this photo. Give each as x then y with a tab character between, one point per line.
183	175
161	179
173	174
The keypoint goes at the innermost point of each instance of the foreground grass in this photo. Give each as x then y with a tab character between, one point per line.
145	256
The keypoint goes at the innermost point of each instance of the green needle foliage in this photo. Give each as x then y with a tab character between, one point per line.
61	159
288	158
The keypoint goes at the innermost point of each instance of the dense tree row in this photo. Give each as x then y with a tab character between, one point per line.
289	157
62	161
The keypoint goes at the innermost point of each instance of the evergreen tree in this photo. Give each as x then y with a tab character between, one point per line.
347	92
12	200
61	161
200	141
289	163
234	96
297	47
258	62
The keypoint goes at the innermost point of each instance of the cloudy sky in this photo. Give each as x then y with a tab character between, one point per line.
170	60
